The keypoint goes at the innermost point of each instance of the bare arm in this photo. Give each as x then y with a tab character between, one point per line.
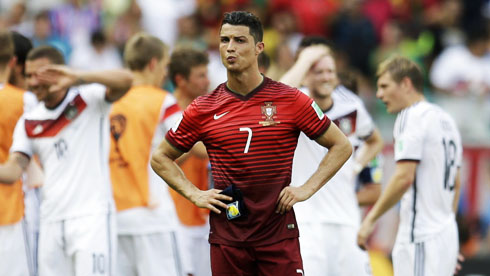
368	194
34	175
371	147
295	75
62	77
399	183
163	164
198	150
12	170
457	190
339	150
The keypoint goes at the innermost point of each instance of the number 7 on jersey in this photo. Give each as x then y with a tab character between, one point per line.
249	139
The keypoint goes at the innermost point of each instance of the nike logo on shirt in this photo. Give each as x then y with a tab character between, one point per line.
216	117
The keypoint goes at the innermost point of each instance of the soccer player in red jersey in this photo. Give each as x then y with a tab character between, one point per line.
250	127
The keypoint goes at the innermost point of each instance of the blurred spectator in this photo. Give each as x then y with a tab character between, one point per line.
312	15
444	22
16	19
125	25
99	55
264	63
354	34
76	20
159	17
43	35
281	39
190	33
22	45
465	69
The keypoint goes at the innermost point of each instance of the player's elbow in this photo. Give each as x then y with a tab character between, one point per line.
346	149
406	180
156	160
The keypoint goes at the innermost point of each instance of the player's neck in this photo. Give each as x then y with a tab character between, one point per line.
55	99
182	99
325	103
244	82
415	98
4	75
140	78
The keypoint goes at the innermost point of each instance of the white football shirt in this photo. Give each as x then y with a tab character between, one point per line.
71	141
336	201
427	134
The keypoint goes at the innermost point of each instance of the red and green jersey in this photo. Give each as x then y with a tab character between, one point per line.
250	142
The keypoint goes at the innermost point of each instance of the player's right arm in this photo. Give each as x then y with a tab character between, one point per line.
12	170
163	163
294	76
457	190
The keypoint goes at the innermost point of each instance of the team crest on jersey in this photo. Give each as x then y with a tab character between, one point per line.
71	111
347	123
269	110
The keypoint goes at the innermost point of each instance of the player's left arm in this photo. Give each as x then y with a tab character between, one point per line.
60	77
339	150
399	183
457	190
368	151
368	194
12	170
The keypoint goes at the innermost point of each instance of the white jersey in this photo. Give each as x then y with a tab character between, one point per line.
425	133
71	141
335	202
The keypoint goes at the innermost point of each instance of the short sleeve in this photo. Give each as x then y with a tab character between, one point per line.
364	124
186	131
310	119
21	143
94	95
30	101
409	141
169	114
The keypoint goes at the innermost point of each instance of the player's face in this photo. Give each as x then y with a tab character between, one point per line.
391	93
161	69
321	79
198	82
34	84
237	48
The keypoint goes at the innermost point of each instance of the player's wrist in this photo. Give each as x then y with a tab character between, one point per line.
357	167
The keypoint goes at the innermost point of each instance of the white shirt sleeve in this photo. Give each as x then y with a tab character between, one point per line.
30	101
21	143
94	95
364	124
410	138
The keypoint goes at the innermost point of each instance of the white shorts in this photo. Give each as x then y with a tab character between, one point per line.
195	249
435	256
148	254
331	249
78	246
31	218
14	250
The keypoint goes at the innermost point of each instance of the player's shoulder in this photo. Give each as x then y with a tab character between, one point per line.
342	93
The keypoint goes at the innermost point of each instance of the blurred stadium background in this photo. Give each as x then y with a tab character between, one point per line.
448	38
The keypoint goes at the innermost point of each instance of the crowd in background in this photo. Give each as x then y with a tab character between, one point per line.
449	39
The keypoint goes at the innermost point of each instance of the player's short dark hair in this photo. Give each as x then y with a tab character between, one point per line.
314	40
477	33
22	46
6	47
308	41
401	67
140	49
247	19
183	60
49	52
264	60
